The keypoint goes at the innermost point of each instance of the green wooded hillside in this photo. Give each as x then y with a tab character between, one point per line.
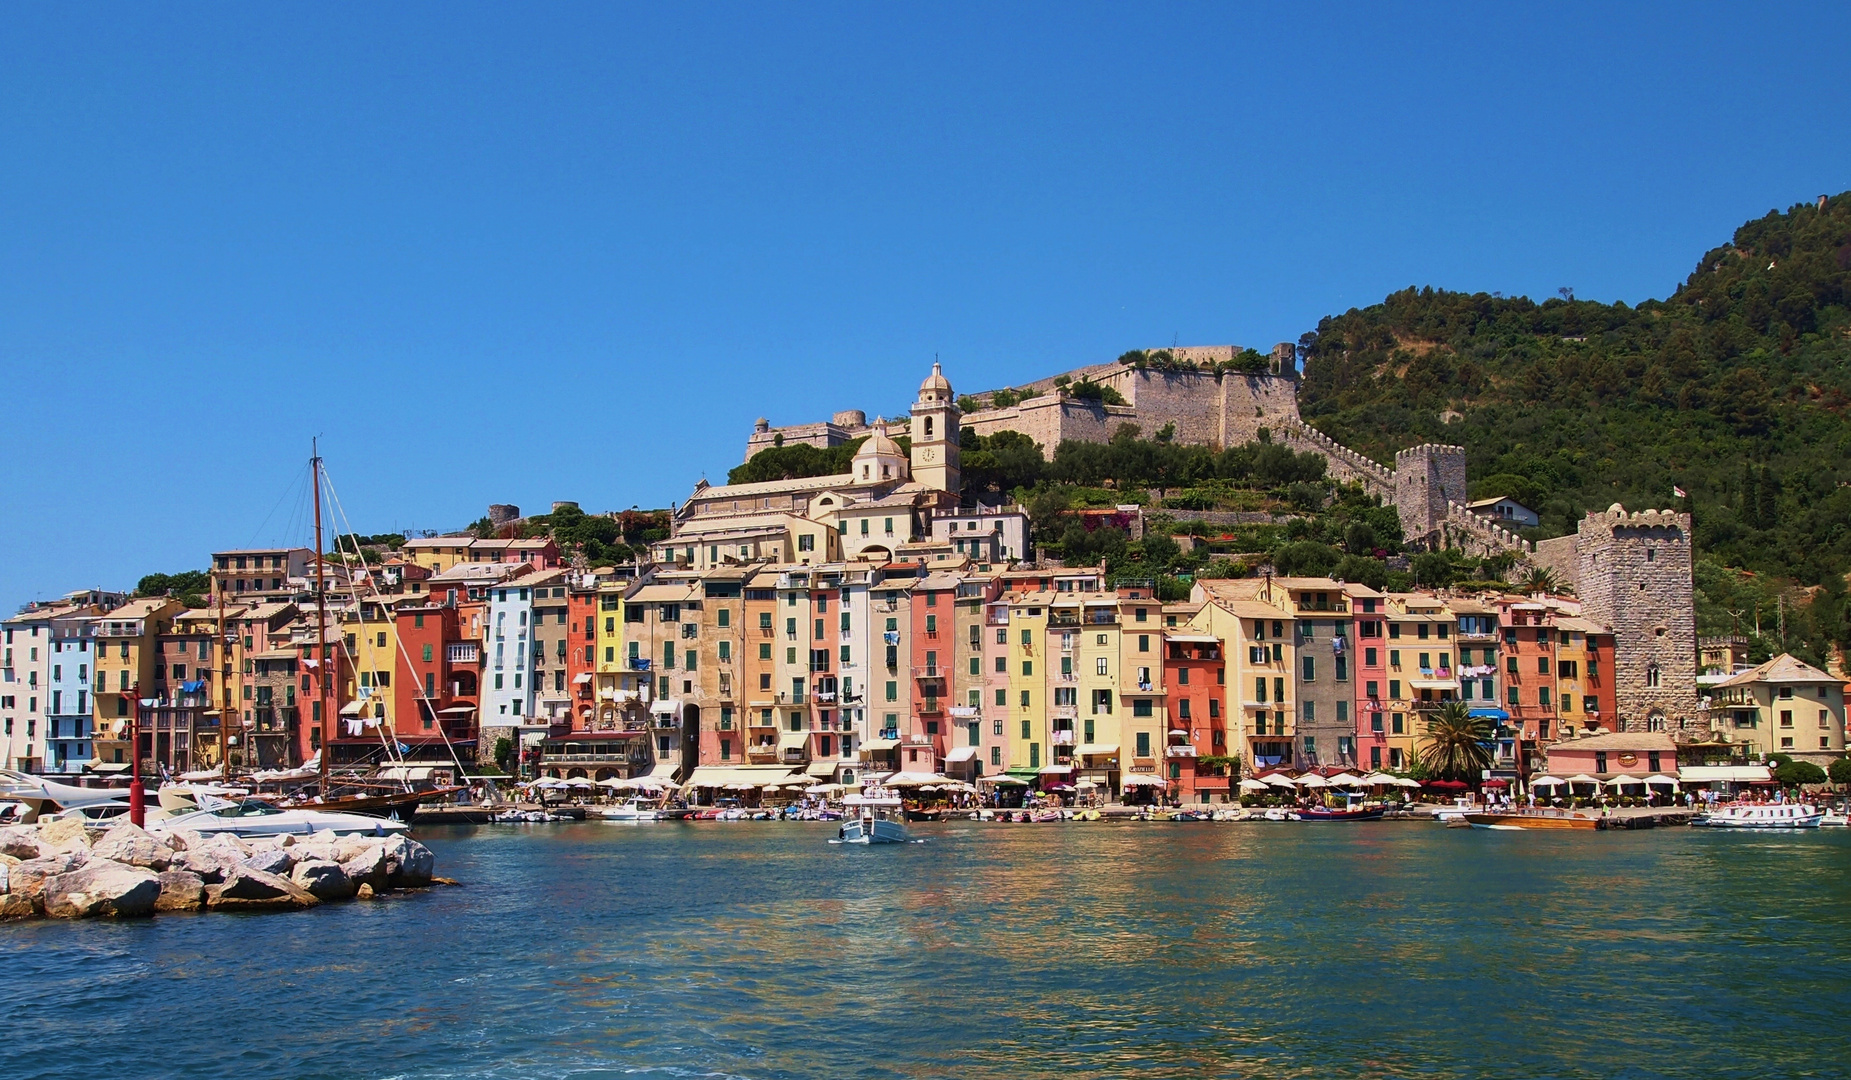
1735	388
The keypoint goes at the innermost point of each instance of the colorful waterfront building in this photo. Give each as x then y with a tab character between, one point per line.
438	678
126	639
1199	764
69	722
1785	706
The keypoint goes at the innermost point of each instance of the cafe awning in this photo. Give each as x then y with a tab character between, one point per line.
820	768
879	744
1056	770
581	679
1095	749
961	753
1142	780
1734	774
793	740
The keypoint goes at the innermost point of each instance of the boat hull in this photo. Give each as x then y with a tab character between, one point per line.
400	806
879	831
1318	813
1532	821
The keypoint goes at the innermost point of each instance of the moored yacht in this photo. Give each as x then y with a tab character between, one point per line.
254	817
1764	816
629	810
873	818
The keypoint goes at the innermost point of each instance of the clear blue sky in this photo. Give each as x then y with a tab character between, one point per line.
517	253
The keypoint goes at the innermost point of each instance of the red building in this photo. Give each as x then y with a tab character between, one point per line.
934	651
1198	741
439	679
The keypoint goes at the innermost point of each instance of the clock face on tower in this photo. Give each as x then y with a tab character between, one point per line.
927	453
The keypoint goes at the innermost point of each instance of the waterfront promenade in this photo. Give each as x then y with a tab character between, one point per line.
1017	953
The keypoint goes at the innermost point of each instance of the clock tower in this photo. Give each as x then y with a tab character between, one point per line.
935	435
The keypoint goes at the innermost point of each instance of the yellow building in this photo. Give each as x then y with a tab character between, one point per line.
1785	706
125	659
369	633
1031	736
1134	630
1261	657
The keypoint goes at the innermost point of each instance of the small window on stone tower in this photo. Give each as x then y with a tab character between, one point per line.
928	426
1650	554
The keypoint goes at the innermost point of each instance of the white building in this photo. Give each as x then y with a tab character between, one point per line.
25	686
511	680
984	534
69	724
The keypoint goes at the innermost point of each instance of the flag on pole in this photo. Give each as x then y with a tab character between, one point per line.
1679	492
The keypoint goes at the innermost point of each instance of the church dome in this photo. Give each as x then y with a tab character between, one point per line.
936	381
879	444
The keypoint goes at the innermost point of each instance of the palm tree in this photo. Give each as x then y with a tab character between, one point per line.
1458	744
1539	579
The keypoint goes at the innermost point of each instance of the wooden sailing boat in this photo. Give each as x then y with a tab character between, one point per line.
401	804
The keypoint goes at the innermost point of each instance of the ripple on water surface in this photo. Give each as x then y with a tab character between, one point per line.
757	950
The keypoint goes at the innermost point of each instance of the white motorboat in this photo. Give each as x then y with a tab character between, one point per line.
44	798
873	817
254	817
1835	819
1765	816
629	810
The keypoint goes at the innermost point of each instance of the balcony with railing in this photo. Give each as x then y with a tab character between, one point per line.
462	652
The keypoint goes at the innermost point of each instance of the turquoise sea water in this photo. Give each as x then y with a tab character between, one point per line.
1012	951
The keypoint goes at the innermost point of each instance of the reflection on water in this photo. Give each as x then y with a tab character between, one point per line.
757	950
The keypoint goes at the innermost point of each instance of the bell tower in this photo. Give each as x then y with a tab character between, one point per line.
935	434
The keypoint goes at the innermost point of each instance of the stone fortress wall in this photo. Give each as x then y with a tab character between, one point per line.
1427	484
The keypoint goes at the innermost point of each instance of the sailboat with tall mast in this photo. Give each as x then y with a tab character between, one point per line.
353	792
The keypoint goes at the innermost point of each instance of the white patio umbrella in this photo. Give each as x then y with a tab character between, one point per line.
1277	780
1583	778
615	783
1003	779
1626	781
1404	781
1344	779
1313	780
1255	785
1548	781
581	782
1375	778
1660	778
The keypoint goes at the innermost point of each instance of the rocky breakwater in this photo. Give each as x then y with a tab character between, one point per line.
61	870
